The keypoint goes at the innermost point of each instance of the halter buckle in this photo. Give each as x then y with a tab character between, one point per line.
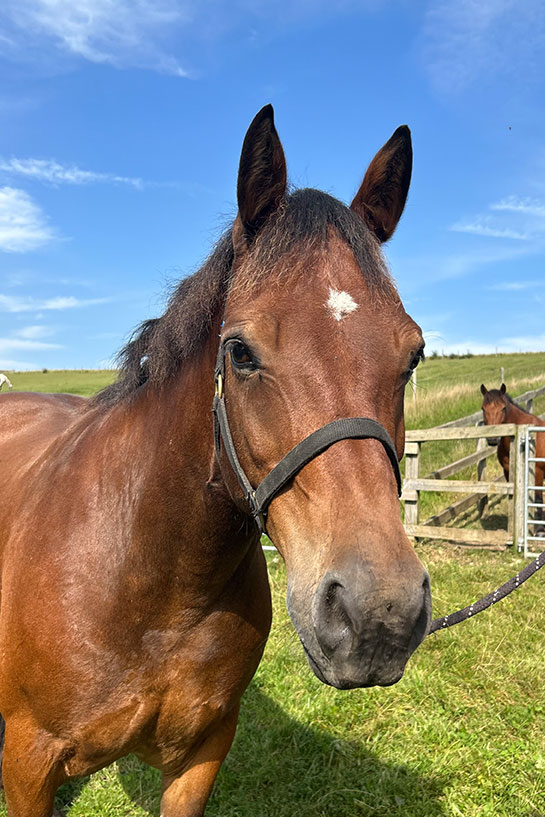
219	386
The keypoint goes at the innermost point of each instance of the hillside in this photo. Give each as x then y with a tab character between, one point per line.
447	388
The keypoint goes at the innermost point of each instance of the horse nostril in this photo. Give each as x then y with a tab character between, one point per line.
331	618
389	606
331	594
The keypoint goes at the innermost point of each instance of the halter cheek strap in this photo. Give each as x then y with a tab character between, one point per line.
258	499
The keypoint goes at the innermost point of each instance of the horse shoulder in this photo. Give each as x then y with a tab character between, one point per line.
22	413
29	423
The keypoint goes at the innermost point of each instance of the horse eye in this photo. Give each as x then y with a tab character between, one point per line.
418	358
240	356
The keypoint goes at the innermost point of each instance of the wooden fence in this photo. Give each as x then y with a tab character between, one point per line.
477	491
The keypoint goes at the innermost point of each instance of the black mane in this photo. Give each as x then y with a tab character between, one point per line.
159	346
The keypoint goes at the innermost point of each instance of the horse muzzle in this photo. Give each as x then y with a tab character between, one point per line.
358	635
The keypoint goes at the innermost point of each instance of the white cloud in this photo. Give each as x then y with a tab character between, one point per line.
422	270
23	226
483	227
15	344
528	343
10	303
461	348
48	170
7	364
34	332
526	206
512	286
151	34
121	33
522	219
466	42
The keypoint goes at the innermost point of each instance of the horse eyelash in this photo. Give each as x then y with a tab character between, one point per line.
419	357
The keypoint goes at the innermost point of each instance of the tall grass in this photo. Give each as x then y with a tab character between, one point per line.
448	389
433	403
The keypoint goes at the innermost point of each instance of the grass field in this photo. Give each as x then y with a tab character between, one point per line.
446	388
463	733
80	381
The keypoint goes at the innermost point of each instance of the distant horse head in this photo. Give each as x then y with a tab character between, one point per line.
315	331
495	406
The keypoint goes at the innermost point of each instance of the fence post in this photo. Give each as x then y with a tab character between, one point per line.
516	476
529	405
412	471
481	472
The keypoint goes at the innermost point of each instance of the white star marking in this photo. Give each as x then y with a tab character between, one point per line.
340	304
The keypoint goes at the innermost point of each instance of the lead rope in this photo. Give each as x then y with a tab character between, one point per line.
492	598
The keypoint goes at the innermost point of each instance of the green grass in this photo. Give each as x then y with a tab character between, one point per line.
461	735
446	388
456	383
79	381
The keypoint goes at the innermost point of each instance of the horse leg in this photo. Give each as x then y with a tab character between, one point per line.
186	795
32	770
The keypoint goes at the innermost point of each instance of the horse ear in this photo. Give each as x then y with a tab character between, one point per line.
262	178
484	390
503	388
383	192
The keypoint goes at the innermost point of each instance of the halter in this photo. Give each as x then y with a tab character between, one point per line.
259	499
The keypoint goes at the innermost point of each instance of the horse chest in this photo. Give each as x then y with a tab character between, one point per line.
161	709
194	689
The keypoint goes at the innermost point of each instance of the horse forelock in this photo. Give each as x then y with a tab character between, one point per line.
496	396
302	226
288	243
493	396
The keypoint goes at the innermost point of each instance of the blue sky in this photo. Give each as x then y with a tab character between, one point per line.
122	124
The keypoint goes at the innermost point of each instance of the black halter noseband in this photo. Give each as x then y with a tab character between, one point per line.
258	499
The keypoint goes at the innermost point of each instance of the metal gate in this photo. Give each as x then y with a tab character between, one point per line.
534	497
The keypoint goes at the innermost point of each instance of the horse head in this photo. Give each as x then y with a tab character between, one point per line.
494	406
314	331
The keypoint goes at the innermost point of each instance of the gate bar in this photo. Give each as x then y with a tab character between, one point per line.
527	538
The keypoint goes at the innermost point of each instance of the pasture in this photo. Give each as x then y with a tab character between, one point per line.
461	735
449	389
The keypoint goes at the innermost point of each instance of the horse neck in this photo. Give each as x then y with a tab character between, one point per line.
516	415
182	507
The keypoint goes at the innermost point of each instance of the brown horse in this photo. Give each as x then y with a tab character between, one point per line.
135	601
498	407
